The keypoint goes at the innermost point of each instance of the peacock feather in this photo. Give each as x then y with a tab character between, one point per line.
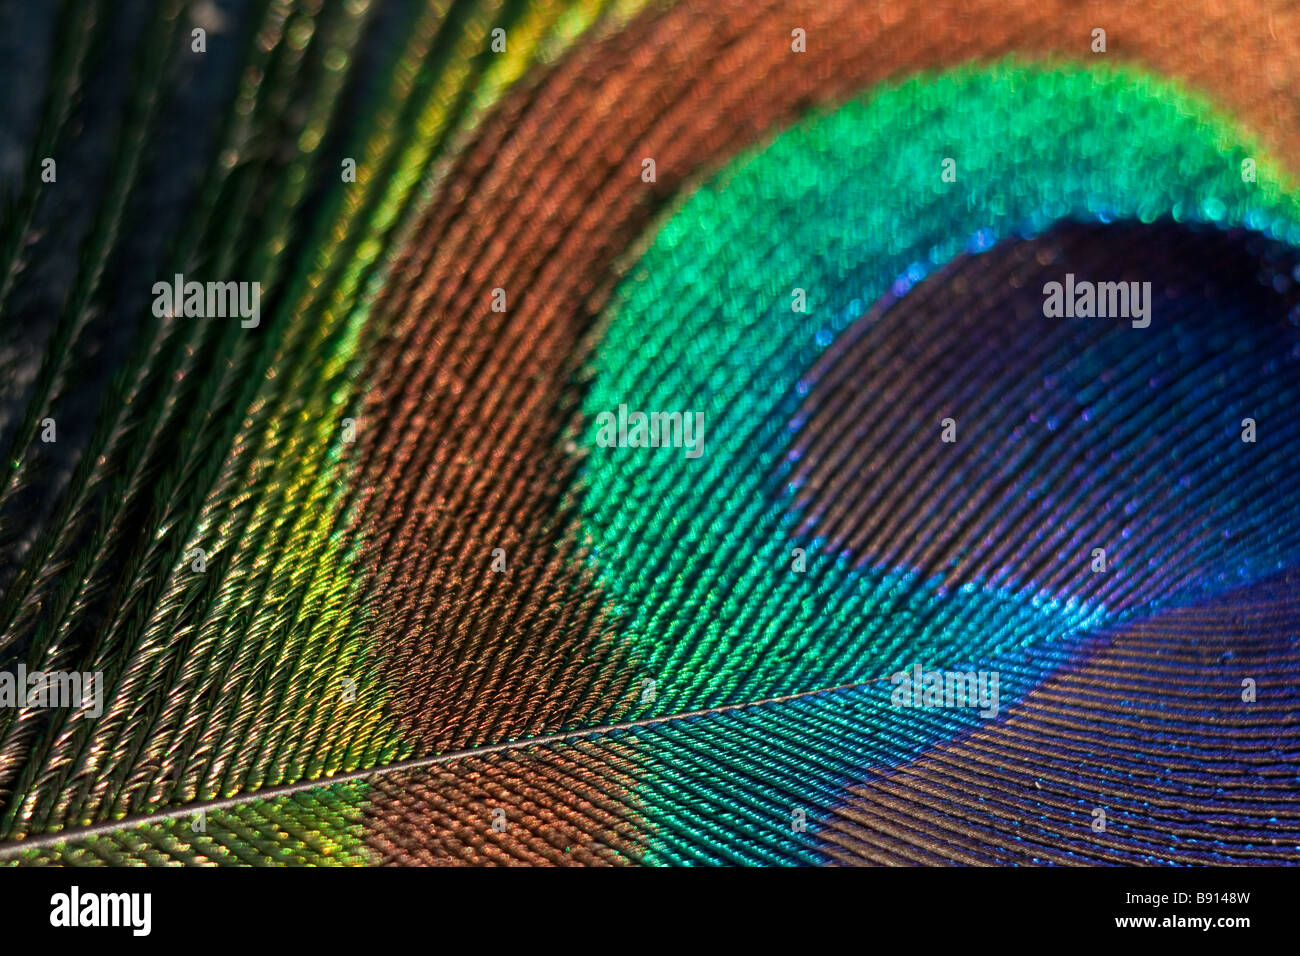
580	431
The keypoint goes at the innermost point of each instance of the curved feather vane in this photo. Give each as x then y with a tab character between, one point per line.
616	432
